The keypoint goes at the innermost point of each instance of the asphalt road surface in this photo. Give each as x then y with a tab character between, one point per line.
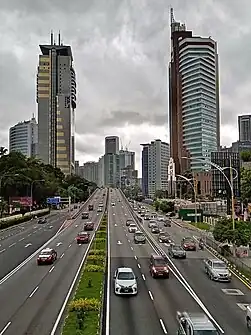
33	296
225	301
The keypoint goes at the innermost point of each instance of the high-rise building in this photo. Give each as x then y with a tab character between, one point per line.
23	137
112	145
89	171
56	99
244	125
101	171
128	174
193	98
126	159
155	160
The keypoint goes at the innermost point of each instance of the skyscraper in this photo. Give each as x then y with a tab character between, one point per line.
23	137
244	124
56	99
193	98
112	145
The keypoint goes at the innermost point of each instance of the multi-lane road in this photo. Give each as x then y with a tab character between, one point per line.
32	296
153	310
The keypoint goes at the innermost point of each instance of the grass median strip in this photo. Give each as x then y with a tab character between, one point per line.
83	311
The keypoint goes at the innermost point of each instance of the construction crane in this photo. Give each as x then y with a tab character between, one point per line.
127	146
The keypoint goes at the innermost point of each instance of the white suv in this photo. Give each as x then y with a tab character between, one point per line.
125	282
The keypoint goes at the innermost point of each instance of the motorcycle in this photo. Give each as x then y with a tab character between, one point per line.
201	245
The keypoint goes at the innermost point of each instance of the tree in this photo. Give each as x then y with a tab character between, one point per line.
241	235
160	194
246	156
246	185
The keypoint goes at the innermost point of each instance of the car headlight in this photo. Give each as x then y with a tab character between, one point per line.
118	286
134	286
215	274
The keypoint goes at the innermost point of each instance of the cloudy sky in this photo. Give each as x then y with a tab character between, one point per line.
121	51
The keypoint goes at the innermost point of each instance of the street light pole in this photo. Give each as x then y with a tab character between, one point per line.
232	192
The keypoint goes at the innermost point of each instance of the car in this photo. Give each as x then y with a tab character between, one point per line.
158	266
155	229
129	221
101	204
42	220
75	206
188	244
139	211
152	223
100	209
47	256
85	215
112	204
167	223
154	215
248	317
90	207
147	217
176	251
132	228
142	214
125	282
139	237
88	226
217	270
164	238
83	237
161	218
195	323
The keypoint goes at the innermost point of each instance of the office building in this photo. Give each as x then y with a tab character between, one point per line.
127	158
155	160
112	145
56	99
101	171
193	98
111	170
89	171
76	170
244	125
128	174
23	137
220	185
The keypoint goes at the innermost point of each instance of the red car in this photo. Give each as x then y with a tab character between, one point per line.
88	226
188	244
83	237
158	267
47	256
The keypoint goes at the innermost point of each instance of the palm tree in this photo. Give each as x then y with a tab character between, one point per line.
3	151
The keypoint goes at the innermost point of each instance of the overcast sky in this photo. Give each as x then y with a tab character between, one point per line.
121	51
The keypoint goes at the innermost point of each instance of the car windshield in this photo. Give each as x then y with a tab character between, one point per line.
219	265
159	262
176	247
126	276
45	252
188	240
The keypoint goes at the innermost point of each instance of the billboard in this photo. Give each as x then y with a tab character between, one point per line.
21	201
53	201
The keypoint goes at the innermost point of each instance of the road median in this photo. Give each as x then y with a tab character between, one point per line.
84	310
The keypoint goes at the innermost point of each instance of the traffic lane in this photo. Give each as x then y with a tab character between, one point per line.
169	295
39	311
14	291
222	305
129	315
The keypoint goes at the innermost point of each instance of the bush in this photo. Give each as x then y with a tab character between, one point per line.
85	304
102	228
201	225
97	252
100	234
94	268
16	221
99	240
94	259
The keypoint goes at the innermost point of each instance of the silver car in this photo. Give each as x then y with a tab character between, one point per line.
175	251
217	270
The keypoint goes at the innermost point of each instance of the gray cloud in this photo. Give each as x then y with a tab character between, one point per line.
121	51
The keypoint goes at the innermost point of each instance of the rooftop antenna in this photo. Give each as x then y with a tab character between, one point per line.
51	37
59	38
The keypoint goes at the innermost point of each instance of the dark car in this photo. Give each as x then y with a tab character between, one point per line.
176	251
90	207
41	220
83	237
188	244
155	230
139	237
167	223
47	256
85	215
164	238
88	226
129	221
158	267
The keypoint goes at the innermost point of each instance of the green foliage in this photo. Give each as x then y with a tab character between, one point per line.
156	205
94	268
246	156
246	184
15	221
101	234
201	225
19	172
160	194
85	304
165	206
97	252
241	235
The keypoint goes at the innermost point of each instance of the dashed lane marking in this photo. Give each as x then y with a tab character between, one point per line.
143	276
163	326
3	250
150	294
33	292
243	306
139	266
12	245
51	269
232	291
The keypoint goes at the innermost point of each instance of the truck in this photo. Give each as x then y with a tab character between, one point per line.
90	207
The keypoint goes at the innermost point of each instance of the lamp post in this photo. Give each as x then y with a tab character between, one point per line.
229	181
31	191
195	194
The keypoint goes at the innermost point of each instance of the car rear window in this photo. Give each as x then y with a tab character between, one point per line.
45	252
159	262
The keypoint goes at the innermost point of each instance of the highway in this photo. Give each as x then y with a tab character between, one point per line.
33	296
225	301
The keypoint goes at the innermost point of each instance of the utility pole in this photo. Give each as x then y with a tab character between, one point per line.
232	191
195	197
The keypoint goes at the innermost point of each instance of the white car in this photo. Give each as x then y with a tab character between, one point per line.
125	282
161	218
132	228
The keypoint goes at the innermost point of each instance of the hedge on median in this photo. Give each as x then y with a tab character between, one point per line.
83	314
16	221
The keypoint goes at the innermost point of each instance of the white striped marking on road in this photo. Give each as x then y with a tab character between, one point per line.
163	326
132	248
3	250
128	240
69	246
139	266
5	328
150	294
21	239
62	255
135	257
33	292
51	269
12	245
143	276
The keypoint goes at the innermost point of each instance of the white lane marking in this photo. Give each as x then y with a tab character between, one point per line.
119	242
59	243
29	235
28	245
33	292
12	245
150	294
3	250
132	248
143	276
5	328
21	239
232	291
139	266
243	306
135	257
128	240
69	246
163	326
51	269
